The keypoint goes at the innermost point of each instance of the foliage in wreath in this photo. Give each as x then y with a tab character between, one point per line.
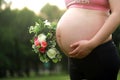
44	41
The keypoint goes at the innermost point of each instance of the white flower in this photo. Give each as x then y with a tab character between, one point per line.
47	23
41	37
31	29
33	46
51	53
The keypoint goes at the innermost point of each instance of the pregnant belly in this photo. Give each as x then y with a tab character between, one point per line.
77	25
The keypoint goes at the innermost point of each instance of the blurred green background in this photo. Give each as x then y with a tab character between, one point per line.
17	61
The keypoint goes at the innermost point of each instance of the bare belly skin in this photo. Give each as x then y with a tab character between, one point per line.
78	24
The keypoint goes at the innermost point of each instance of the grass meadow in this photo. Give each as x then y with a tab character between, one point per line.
45	77
42	77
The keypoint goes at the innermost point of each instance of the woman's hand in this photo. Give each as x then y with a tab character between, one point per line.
81	49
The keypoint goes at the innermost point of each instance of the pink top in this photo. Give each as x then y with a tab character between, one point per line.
89	4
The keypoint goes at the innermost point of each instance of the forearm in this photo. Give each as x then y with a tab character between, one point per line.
107	29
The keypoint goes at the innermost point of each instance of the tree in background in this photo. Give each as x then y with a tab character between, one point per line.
1	3
15	47
51	13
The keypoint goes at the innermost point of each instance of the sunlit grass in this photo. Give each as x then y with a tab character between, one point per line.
45	77
118	76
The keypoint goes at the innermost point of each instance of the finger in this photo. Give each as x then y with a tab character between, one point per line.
75	55
74	45
75	51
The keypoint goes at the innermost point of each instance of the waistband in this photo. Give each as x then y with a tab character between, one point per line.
88	7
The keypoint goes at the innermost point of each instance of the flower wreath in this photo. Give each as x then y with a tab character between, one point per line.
44	41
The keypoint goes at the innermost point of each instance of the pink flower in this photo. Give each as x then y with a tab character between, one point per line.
36	42
43	44
42	50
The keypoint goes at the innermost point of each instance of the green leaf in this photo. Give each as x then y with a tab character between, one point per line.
55	60
43	58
